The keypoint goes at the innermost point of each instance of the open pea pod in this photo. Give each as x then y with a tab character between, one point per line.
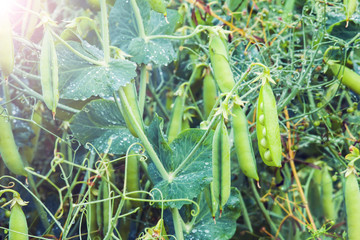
267	127
49	71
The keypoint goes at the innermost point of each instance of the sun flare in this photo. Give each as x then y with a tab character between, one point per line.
6	6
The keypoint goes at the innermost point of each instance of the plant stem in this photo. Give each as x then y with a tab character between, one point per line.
105	31
158	101
197	30
142	136
7	97
77	53
25	74
138	18
142	91
39	208
245	213
295	89
263	209
177	224
186	161
40	97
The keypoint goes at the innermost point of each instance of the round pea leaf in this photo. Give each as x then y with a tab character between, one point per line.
101	124
193	177
80	79
125	33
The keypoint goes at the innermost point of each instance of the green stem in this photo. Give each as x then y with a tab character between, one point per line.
336	155
77	53
186	161
263	209
142	92
138	18
39	208
197	30
177	224
105	31
40	97
7	97
38	201
158	101
295	89
236	86
142	136
245	213
25	74
115	218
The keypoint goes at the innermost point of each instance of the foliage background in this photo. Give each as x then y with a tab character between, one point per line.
319	119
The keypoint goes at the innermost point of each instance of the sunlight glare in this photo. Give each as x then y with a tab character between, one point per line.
6	6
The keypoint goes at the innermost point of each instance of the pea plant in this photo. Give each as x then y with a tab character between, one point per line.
189	119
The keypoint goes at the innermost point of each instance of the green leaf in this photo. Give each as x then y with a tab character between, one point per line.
100	123
354	153
205	228
191	180
80	79
234	5
339	30
124	32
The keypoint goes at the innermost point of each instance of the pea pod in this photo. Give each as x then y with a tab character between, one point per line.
8	148
267	127
7	46
315	192
49	72
107	212
209	93
99	206
92	216
17	224
176	116
352	204
169	100
132	177
327	194
221	165
242	143
131	96
104	208
210	199
79	27
347	76
158	6
107	205
220	64
350	8
95	4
